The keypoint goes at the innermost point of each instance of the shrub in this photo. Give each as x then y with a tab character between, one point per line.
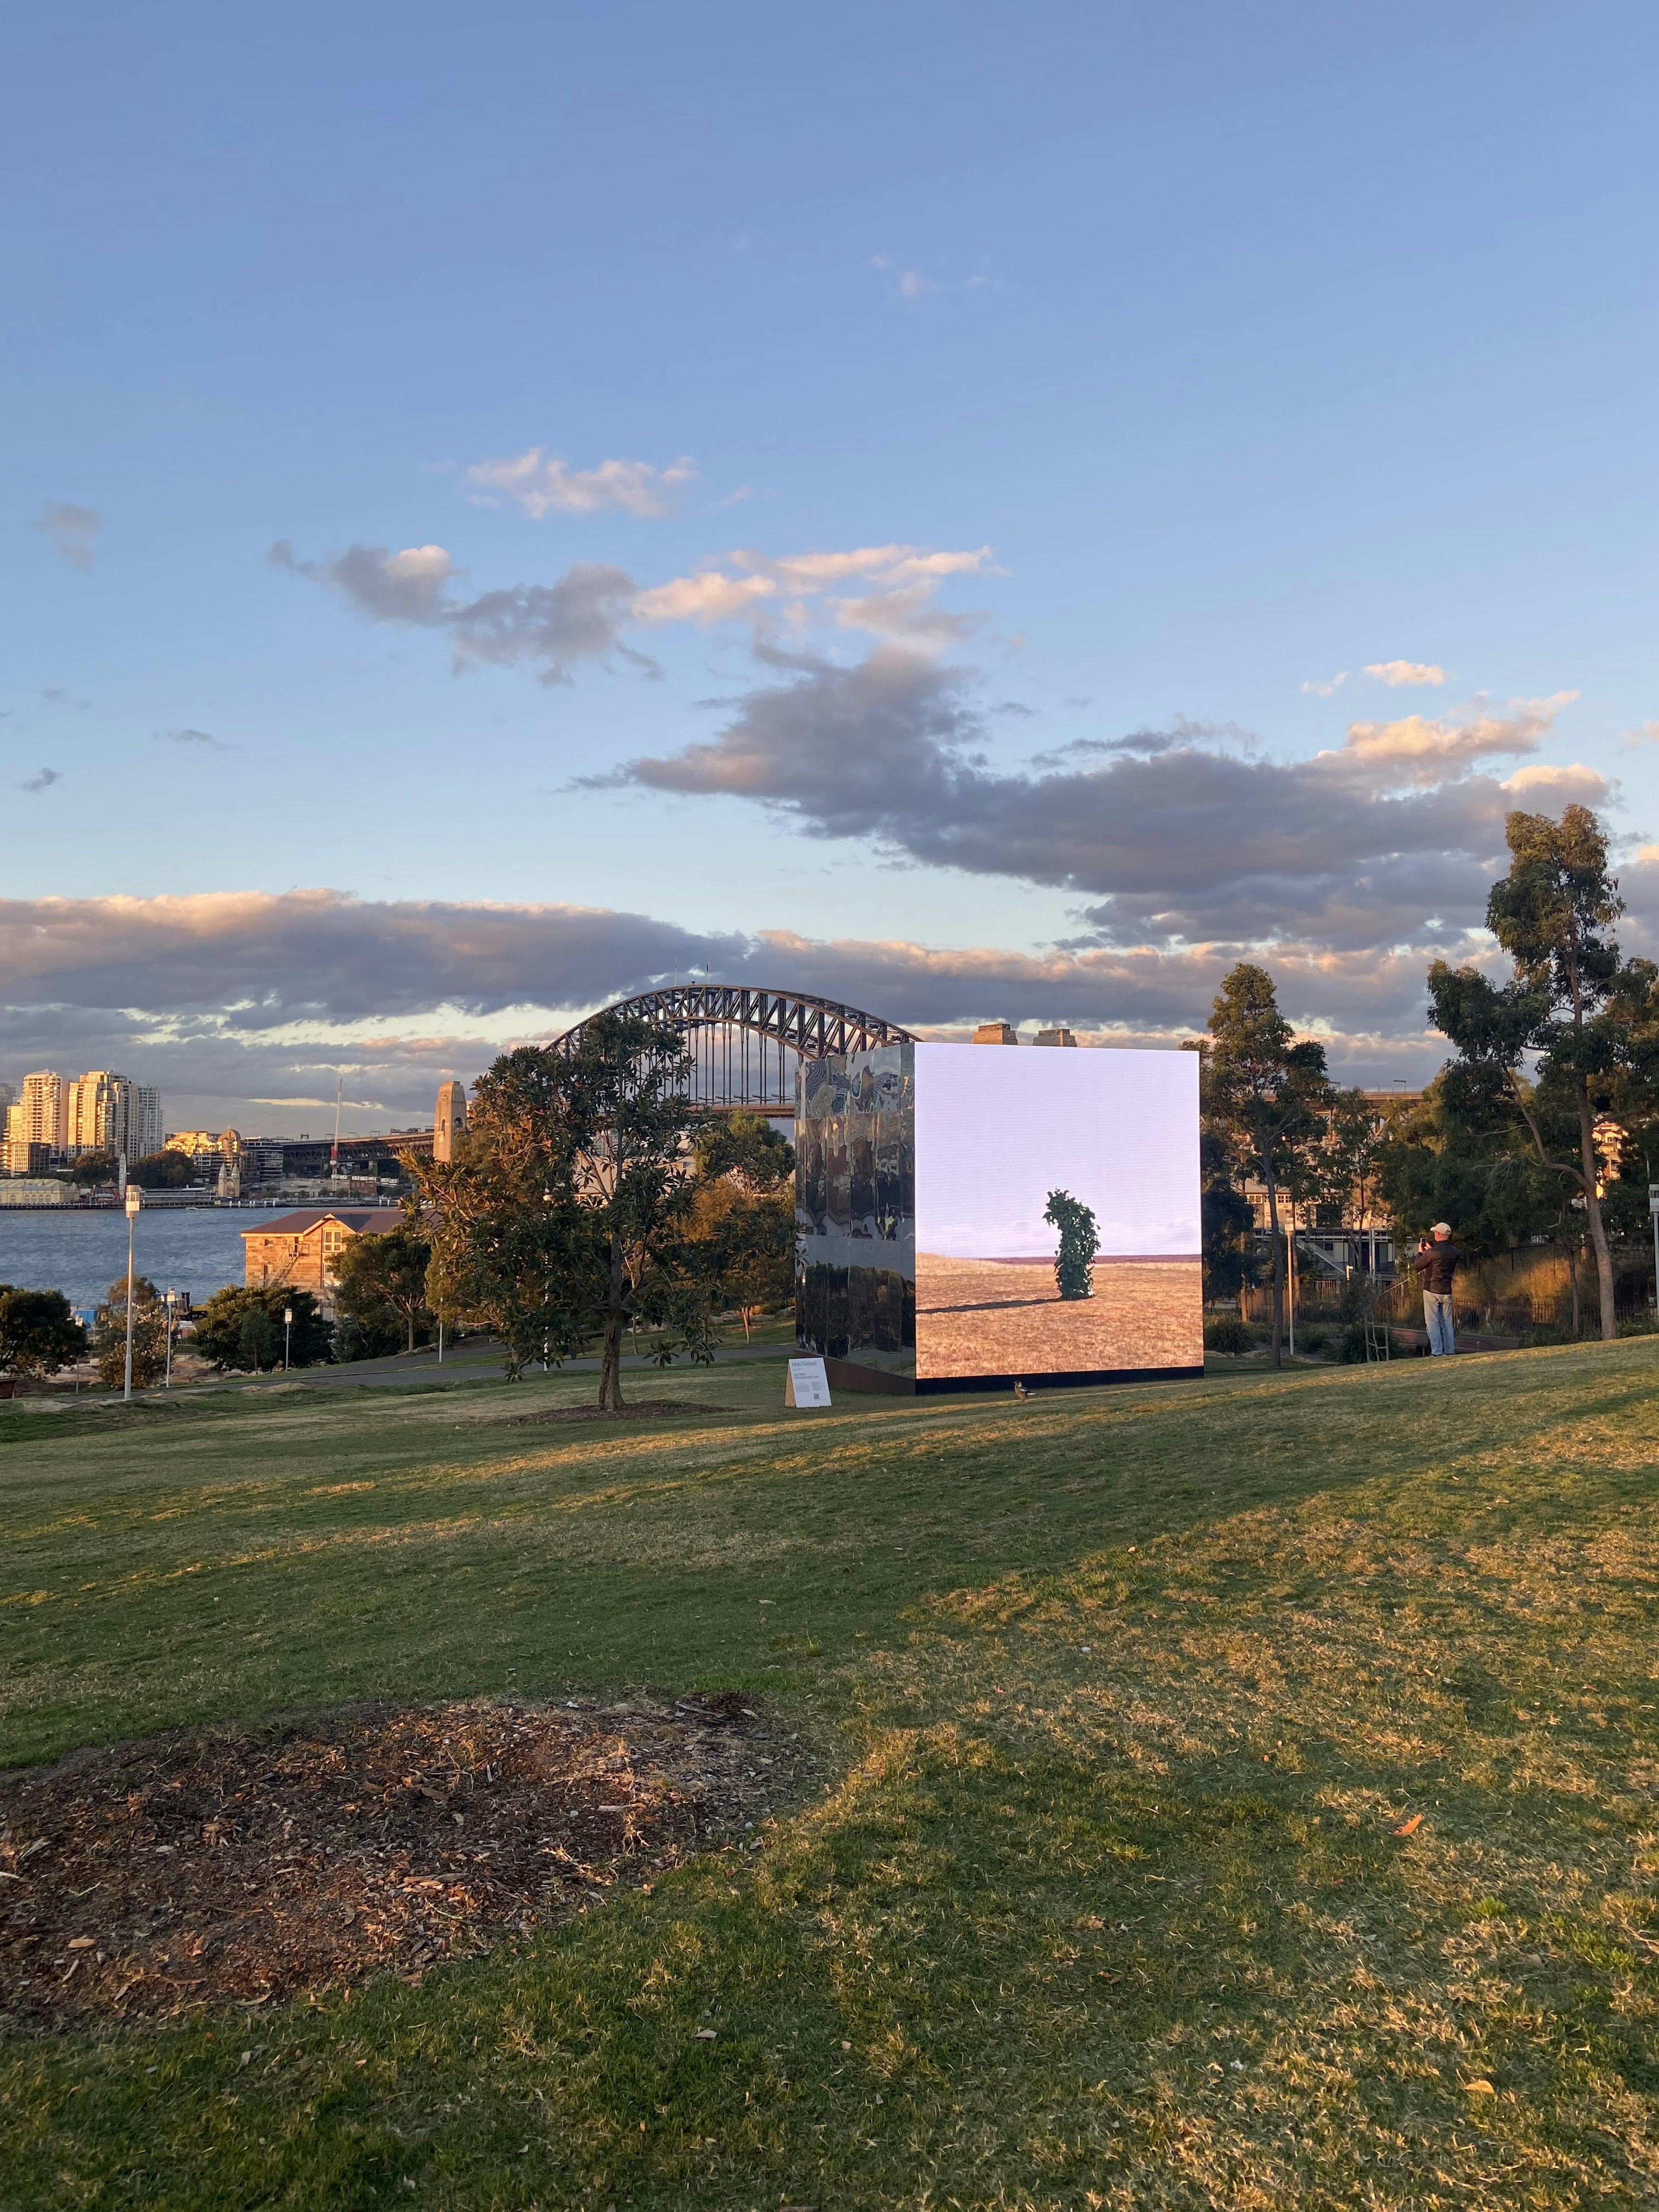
1230	1336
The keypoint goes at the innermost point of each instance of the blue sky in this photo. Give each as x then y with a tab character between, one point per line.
976	383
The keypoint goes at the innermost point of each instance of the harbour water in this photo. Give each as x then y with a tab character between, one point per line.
81	1250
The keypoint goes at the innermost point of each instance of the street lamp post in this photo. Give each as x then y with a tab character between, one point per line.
288	1323
169	1301
134	1199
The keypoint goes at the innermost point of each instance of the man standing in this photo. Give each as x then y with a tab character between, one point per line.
1435	1262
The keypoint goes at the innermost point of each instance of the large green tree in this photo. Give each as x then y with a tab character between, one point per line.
565	1220
1582	1020
166	1171
150	1334
1266	1096
379	1285
241	1327
38	1332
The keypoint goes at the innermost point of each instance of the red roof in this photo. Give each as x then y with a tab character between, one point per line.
361	1220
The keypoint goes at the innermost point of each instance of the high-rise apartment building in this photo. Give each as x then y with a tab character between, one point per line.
107	1114
94	1112
42	1112
141	1129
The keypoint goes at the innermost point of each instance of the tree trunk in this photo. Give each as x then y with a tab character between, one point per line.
1592	1214
1278	1262
411	1332
616	1317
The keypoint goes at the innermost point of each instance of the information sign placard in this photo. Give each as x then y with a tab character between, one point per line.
808	1384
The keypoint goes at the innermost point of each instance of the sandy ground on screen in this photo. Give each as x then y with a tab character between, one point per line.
1006	1317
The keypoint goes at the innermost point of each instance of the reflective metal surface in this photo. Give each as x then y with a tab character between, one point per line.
855	1184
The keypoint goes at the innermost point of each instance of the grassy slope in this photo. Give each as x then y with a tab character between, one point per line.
1124	1924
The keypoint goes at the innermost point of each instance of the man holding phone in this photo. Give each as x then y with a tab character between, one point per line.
1437	1259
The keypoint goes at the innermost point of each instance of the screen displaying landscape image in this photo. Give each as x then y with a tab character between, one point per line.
999	1134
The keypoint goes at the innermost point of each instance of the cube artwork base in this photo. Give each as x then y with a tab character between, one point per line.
923	1175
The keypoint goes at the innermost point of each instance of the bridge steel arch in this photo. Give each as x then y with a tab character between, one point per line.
746	1041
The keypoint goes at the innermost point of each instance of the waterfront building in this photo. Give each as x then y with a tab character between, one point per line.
301	1251
35	1190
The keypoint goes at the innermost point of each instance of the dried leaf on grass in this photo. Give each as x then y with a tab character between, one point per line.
209	1867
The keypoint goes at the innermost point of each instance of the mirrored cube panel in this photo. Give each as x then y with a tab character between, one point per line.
967	1216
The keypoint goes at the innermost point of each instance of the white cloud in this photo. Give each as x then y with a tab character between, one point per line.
904	577
72	529
1426	750
1397	673
543	484
1569	784
1647	735
736	498
1318	690
905	612
913	284
707	597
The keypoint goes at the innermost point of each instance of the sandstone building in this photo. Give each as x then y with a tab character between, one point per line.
301	1251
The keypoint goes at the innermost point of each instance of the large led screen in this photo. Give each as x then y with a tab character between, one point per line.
969	1215
1007	1136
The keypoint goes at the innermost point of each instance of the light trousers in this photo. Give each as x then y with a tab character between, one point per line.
1437	1315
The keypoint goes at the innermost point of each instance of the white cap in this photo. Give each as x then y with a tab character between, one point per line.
1443	1228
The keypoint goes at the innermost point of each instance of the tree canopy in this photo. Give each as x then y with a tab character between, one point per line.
1266	1097
379	1287
567	1217
150	1334
165	1170
1572	1035
38	1332
241	1328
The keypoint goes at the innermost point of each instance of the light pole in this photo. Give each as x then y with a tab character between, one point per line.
170	1301
288	1323
134	1199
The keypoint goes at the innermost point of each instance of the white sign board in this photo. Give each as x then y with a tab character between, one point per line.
808	1384
1653	1198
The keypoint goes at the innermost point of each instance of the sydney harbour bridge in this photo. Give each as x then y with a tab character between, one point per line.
745	1043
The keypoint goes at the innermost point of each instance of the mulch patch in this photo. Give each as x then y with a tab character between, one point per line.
637	1409
208	1868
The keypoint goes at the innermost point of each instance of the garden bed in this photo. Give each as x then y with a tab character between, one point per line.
206	1868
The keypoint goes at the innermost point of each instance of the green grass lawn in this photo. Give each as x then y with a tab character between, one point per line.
1121	1698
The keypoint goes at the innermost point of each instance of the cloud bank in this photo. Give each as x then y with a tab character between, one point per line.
1178	836
583	617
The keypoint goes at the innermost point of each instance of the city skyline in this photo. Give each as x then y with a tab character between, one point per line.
1005	533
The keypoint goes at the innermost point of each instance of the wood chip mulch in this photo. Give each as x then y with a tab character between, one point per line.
637	1409
207	1869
